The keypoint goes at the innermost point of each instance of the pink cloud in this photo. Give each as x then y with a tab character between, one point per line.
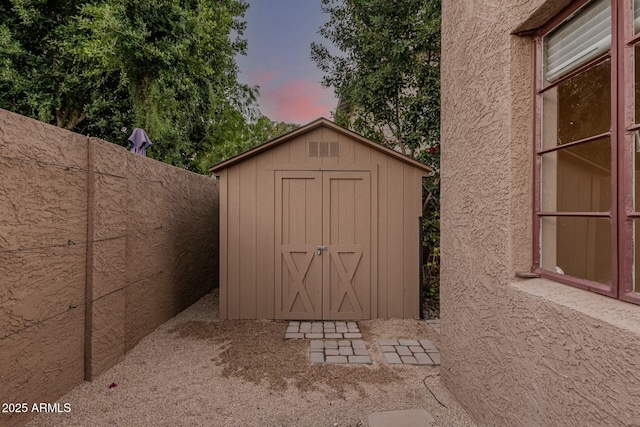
298	101
262	77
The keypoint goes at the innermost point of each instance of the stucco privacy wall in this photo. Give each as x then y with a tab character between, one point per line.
98	247
515	353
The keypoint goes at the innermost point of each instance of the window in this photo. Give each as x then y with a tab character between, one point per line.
587	153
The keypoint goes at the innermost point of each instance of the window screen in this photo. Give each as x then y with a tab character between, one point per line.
582	38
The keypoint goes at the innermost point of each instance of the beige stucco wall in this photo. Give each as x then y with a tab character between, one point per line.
514	353
98	247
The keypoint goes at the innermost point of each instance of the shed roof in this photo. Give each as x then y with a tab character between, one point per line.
308	127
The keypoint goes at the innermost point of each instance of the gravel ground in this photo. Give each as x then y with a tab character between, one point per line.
195	370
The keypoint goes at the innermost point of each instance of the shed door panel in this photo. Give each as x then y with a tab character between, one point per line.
346	265
298	233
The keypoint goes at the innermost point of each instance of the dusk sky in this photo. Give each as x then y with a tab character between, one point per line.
279	34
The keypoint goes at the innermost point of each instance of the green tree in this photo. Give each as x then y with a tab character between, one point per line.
388	75
252	135
102	67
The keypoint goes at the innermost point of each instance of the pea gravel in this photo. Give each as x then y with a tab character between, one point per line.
196	370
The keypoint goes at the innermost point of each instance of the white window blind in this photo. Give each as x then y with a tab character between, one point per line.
585	36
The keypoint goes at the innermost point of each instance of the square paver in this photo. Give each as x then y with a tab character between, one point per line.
293	329
403	351
346	351
406	418
336	352
388	342
358	344
360	352
316	357
435	357
392	358
344	343
428	345
316	345
408	342
333	336
423	359
330	344
409	360
387	349
416	349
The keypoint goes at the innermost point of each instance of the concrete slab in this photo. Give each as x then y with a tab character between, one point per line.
408	418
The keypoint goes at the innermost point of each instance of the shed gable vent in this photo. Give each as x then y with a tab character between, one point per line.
313	149
324	149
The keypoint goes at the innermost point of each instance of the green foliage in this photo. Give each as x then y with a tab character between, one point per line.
431	236
102	67
389	77
253	134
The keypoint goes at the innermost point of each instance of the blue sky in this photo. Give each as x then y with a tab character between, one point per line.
279	34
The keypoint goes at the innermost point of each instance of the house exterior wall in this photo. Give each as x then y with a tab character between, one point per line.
98	247
528	352
247	225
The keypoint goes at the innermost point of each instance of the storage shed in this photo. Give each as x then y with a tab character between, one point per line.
320	223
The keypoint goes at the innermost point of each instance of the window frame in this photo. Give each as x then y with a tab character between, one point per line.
620	213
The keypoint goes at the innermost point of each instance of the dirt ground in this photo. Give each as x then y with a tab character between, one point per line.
196	370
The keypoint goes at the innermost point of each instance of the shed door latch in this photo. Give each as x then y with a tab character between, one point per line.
321	248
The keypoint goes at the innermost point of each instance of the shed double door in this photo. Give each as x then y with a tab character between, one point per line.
323	245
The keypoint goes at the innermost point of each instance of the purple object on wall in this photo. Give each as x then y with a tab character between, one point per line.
139	141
